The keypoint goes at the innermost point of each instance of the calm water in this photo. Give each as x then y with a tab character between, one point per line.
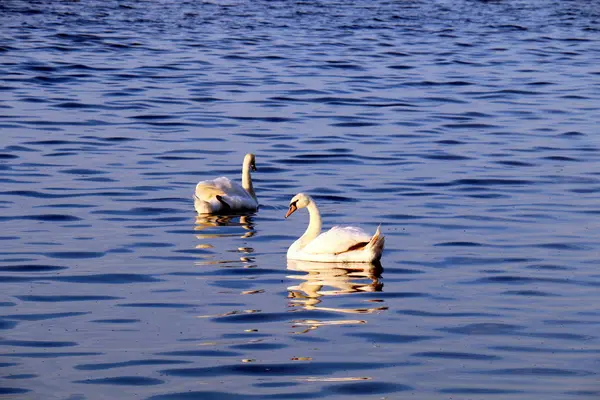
468	129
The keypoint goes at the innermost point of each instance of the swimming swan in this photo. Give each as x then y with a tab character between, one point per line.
223	196
339	244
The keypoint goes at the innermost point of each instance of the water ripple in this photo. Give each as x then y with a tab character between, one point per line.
283	369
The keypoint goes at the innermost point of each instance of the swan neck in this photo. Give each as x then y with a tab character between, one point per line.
247	179
314	226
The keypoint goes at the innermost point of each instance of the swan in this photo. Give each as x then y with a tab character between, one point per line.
224	196
339	244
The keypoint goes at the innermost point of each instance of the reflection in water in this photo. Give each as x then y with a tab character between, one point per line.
211	221
341	278
206	222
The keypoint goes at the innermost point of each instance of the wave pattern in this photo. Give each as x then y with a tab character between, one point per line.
466	128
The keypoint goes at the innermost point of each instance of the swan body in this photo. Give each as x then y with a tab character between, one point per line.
339	244
224	196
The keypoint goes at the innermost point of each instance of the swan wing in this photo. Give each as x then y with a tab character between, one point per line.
338	239
232	193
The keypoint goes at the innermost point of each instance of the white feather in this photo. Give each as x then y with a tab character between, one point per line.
231	192
337	240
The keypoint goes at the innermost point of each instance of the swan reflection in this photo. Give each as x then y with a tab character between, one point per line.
332	279
204	222
210	227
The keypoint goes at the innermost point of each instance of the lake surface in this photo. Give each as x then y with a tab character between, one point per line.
468	129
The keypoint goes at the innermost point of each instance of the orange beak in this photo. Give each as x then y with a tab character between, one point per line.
291	210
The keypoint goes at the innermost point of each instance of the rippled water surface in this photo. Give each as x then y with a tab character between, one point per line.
468	129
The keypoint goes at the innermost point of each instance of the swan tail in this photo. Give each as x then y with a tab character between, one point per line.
376	243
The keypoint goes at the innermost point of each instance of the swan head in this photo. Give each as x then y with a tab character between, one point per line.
250	160
300	200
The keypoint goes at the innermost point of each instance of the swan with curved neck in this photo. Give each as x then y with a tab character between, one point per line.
224	196
249	164
339	244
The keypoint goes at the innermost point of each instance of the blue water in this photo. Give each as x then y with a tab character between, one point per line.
468	129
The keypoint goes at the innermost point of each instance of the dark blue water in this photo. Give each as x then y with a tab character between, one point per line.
468	129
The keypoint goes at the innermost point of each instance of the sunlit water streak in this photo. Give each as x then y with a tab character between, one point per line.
466	128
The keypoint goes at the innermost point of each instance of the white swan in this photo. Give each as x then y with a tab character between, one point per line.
339	244
223	196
